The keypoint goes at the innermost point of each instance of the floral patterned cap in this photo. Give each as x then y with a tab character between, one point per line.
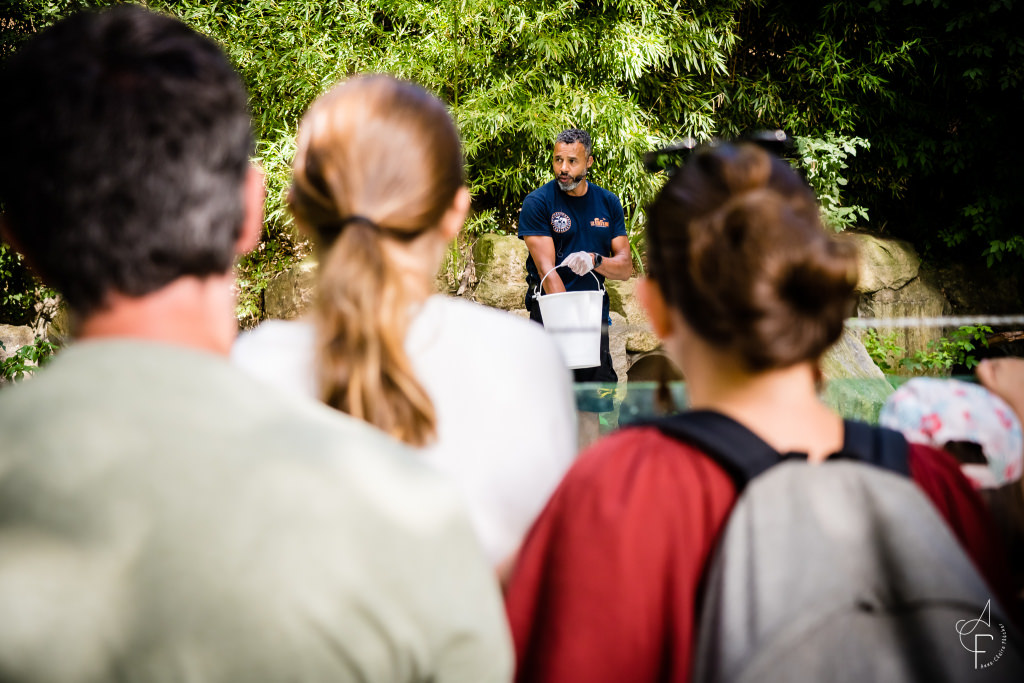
935	411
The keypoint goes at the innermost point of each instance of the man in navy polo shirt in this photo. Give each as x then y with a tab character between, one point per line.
576	224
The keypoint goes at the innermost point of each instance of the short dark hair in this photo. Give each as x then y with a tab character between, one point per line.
736	244
573	135
129	140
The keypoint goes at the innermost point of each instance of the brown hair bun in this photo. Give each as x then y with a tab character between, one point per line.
736	244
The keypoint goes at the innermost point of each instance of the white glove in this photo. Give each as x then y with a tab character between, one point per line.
580	262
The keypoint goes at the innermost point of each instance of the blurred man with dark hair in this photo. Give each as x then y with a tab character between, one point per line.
164	517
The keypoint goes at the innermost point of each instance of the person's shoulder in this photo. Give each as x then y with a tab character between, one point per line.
639	455
610	199
272	341
272	335
533	217
351	461
606	195
331	440
636	474
940	476
279	352
643	443
542	194
929	462
228	424
57	388
489	328
484	319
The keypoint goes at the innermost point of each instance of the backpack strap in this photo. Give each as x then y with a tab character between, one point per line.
737	450
876	446
744	455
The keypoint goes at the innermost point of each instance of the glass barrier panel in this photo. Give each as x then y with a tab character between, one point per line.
601	408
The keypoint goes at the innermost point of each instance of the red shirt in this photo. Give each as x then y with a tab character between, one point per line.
607	582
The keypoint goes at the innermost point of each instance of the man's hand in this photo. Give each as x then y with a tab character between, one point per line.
580	262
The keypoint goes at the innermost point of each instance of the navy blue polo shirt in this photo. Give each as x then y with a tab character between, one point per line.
586	223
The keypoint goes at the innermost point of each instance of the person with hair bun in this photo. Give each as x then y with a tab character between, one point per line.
747	290
379	184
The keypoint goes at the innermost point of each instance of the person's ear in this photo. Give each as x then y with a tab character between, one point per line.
253	195
657	309
455	217
590	161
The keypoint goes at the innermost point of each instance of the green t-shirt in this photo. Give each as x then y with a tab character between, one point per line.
164	517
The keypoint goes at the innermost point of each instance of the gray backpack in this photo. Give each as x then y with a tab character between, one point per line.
839	572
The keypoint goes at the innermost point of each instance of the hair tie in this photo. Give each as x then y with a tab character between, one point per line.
356	218
333	228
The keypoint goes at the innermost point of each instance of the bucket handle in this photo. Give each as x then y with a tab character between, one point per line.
539	290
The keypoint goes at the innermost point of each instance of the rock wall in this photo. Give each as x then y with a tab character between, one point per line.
290	293
891	285
13	337
500	262
640	337
856	387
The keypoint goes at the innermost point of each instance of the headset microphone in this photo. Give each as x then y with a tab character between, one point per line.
580	177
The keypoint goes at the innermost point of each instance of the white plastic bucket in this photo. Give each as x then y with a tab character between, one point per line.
574	320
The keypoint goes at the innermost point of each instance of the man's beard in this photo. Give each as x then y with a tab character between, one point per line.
572	183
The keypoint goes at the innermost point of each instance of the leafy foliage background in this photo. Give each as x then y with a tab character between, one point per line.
906	111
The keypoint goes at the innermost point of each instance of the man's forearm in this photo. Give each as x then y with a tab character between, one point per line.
618	267
542	251
553	284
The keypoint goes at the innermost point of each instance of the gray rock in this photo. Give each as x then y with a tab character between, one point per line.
857	399
849	359
500	295
917	298
855	387
893	285
61	328
884	263
500	262
640	337
291	292
13	338
616	294
618	333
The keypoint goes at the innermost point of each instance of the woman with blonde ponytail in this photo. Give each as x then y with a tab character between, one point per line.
379	185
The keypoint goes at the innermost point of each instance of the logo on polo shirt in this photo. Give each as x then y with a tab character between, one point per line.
560	222
600	223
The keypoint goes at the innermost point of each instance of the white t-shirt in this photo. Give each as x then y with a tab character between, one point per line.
506	425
